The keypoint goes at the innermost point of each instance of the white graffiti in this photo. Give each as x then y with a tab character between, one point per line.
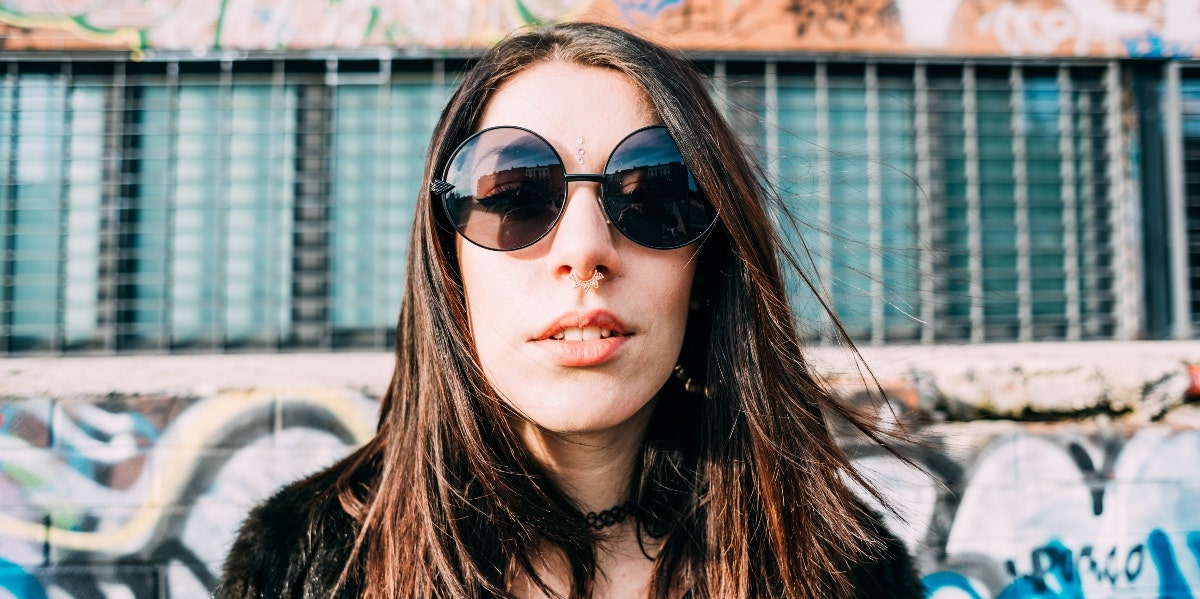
1024	29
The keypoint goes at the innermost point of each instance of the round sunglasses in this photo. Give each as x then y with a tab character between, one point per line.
505	188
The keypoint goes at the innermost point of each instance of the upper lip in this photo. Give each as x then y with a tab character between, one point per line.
595	318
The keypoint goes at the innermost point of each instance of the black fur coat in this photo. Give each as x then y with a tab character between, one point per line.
275	556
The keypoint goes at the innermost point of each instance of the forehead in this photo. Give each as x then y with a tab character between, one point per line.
564	102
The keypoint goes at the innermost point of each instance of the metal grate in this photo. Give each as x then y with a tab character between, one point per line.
191	206
952	202
265	204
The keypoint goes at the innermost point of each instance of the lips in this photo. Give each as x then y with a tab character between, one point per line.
582	334
583	339
583	326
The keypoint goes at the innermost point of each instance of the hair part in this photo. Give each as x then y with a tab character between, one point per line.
742	490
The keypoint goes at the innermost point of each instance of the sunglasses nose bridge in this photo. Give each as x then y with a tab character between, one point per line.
599	181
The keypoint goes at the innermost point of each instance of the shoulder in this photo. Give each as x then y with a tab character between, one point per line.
294	544
887	571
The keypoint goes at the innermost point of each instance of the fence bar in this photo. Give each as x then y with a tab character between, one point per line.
1126	234
172	200
721	87
1088	261
824	197
1066	153
1181	301
874	205
771	119
974	232
1016	83
108	278
8	127
277	180
383	196
58	341
925	196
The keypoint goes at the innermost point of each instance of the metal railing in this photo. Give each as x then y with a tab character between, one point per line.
264	204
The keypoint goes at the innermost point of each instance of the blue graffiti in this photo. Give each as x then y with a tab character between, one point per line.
1171	584
1054	576
650	8
1152	45
938	581
1057	573
20	583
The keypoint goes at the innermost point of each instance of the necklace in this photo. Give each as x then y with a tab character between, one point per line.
605	518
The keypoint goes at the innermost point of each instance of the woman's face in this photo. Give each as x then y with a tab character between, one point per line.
545	343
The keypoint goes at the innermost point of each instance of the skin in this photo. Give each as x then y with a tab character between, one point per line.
584	423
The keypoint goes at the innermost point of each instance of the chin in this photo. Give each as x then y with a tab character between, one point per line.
586	413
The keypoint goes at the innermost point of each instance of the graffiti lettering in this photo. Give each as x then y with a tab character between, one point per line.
107	497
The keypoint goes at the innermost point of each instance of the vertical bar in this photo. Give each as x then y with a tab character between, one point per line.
721	87
58	342
874	205
167	332
220	275
1016	82
974	232
924	210
1126	238
925	197
1087	227
8	234
1181	300
1066	152
771	119
275	179
108	283
329	113
825	202
379	308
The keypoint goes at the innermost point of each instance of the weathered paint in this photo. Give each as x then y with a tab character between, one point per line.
139	495
1110	28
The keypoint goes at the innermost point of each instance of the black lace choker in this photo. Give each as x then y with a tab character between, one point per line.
605	518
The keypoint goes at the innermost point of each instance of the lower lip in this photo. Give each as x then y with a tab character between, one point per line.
583	353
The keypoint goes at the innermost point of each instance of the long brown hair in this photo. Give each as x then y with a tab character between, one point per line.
741	486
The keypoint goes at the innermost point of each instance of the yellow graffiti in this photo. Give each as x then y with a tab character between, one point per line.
199	426
77	26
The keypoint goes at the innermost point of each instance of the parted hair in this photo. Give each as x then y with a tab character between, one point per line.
742	487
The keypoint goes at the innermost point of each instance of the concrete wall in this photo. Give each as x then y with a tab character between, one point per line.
1053	470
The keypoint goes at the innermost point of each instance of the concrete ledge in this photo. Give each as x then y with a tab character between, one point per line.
1038	381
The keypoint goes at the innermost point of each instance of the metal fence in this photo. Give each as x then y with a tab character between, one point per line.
186	205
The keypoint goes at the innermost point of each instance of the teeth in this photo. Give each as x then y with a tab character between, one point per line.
582	334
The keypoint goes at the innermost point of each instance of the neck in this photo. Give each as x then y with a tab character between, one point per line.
595	467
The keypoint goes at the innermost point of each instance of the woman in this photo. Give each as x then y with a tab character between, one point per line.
599	390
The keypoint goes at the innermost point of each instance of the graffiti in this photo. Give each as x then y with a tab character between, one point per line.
1117	28
1059	573
139	496
844	19
121	496
1061	514
1071	28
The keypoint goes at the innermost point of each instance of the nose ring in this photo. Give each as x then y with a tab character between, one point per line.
587	284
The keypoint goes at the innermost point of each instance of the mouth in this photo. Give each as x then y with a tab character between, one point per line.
584	326
584	339
583	334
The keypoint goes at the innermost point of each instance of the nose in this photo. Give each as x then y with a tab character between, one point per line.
583	243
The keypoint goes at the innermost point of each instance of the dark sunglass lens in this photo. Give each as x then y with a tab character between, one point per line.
508	188
651	196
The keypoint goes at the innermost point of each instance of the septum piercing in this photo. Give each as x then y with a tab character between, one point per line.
588	284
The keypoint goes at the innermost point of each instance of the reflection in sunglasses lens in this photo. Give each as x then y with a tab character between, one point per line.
651	196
